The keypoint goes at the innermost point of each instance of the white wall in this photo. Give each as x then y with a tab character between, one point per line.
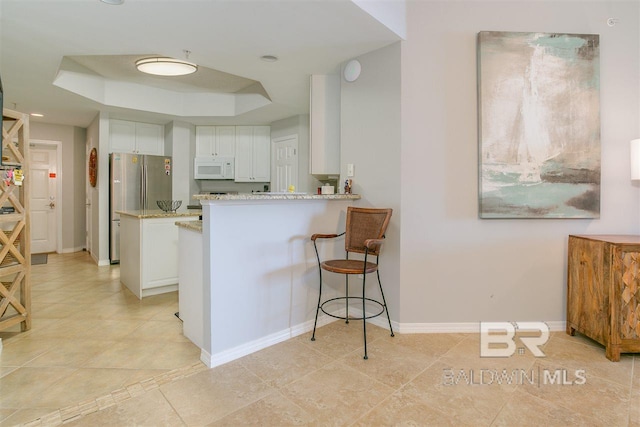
455	267
371	140
72	173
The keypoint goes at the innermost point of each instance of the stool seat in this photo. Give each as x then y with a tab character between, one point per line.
348	266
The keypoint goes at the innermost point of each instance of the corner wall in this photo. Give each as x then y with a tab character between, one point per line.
455	267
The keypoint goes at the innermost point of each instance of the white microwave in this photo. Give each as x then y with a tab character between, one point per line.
213	168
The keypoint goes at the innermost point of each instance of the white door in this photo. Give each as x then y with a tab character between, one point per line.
285	163
43	172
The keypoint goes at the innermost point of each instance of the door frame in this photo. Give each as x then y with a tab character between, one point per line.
58	148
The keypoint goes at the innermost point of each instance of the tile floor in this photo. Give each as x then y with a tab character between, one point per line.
89	336
124	363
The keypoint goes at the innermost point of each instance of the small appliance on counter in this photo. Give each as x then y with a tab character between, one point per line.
328	189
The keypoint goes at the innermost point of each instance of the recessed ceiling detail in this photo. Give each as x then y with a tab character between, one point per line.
113	80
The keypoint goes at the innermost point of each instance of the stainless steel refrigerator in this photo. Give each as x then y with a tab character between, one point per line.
136	183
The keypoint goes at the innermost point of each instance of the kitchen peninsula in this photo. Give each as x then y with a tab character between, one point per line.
259	282
149	250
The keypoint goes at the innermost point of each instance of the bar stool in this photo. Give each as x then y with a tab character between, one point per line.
364	234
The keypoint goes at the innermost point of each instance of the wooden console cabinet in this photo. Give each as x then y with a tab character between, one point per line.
603	291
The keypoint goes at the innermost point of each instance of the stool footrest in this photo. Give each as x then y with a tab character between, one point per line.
382	308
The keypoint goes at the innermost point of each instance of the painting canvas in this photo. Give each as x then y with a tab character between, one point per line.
539	125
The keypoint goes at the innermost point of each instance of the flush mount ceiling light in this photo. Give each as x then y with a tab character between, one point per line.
269	58
116	2
162	66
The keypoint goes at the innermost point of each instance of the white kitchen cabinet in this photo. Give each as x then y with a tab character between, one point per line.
135	137
215	141
149	253
253	154
324	125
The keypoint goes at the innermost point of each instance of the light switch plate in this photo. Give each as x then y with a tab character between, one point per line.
350	169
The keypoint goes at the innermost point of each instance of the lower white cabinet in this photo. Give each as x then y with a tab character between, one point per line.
253	154
149	254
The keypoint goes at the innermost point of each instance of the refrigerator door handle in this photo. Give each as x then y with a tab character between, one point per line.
143	193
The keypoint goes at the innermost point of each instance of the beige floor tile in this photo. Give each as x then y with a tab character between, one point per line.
6	370
158	330
466	356
149	409
280	364
146	355
272	410
427	344
21	351
604	401
337	339
88	383
634	408
466	402
71	352
53	310
5	413
525	410
336	394
577	355
17	417
166	311
213	394
403	410
26	383
389	363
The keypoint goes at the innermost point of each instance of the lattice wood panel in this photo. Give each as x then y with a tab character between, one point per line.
15	239
630	287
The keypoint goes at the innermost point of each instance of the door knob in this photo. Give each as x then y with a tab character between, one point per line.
52	205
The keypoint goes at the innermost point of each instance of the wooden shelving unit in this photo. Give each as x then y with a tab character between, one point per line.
15	239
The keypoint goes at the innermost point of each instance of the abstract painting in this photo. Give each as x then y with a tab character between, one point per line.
539	125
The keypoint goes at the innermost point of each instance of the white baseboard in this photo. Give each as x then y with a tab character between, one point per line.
237	352
381	321
72	250
460	328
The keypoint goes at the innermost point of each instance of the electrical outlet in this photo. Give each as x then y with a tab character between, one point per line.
350	170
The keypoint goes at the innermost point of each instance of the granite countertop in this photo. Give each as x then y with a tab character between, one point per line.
277	196
191	225
157	213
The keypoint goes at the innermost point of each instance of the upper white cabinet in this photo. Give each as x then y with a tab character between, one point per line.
253	154
214	141
324	125
134	137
